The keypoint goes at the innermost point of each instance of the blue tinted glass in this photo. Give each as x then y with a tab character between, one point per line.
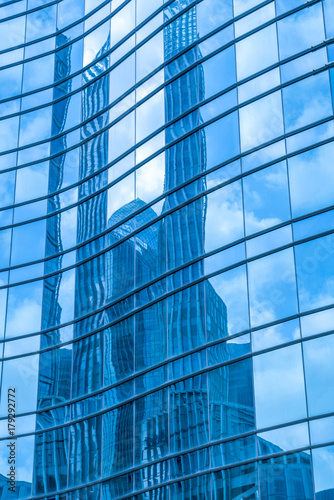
231	400
323	461
238	482
319	372
287	475
279	387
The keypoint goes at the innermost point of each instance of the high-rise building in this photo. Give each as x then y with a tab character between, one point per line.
167	249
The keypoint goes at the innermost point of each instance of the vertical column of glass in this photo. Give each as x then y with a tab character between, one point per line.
51	448
86	437
15	374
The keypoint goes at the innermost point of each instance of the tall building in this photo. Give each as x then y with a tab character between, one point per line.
167	218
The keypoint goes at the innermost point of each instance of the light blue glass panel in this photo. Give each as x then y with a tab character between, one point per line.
227	293
266	198
252	21
329	17
272	287
23	468
224	217
322	430
319	374
303	64
40	23
22	375
151	336
313	225
219	72
257	52
275	335
323	467
233	451
310	186
241	6
224	131
286	5
28	242
300	31
35	126
149	56
315	272
8	133
320	322
24	309
231	400
279	387
283	439
5	240
269	241
213	13
261	121
307	101
12	32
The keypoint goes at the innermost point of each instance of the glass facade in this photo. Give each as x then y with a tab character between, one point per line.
167	242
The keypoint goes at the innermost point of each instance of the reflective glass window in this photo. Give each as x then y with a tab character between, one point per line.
315	271
289	474
228	291
261	121
272	287
323	463
231	400
224	216
319	374
300	31
279	387
307	101
256	52
213	13
24	309
266	198
235	483
310	186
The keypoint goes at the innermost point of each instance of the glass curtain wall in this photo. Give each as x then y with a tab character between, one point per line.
166	260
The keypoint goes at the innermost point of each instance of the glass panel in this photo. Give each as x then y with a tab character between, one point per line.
118	431
315	272
119	351
323	466
24	309
317	322
227	303
256	52
224	216
213	13
149	56
150	116
284	439
252	21
151	335
307	101
188	413
261	121
236	483
22	375
309	186
85	451
231	400
266	198
21	478
322	430
151	427
276	335
219	72
234	451
289	475
319	374
224	131
51	474
272	287
300	31
279	386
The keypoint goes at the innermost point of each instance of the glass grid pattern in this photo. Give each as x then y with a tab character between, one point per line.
166	263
